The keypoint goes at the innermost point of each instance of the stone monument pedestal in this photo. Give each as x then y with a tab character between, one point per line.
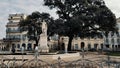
43	44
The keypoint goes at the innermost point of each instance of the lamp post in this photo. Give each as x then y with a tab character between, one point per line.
83	55
22	53
36	56
108	60
36	53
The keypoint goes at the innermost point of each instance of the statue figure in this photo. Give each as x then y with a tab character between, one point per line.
44	28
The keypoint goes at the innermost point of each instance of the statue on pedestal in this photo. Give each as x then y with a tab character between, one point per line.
43	39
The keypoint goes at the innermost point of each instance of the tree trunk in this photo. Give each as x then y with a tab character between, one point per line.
36	42
70	43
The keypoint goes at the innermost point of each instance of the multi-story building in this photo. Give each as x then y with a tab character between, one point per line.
14	37
112	40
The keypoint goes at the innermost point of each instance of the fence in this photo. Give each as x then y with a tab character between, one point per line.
98	62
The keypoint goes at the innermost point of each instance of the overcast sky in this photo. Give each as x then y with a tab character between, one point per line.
28	6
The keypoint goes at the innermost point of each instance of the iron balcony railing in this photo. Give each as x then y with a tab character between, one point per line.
12	31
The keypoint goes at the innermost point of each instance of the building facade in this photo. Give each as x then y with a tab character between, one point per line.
14	37
87	44
112	40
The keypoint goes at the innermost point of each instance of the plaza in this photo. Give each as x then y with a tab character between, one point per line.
28	55
70	34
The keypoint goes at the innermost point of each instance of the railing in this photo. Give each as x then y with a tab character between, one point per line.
98	62
12	31
37	63
11	39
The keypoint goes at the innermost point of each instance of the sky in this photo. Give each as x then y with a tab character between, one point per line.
28	6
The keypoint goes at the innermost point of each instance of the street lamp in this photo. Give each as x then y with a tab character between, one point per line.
83	53
36	52
108	60
22	53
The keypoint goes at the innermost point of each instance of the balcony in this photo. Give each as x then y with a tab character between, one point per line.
11	24
11	39
12	31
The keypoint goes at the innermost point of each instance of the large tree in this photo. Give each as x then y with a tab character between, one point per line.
83	17
56	27
32	24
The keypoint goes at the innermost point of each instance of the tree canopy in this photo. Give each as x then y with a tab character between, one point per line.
83	18
32	24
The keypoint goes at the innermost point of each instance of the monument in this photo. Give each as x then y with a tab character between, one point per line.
43	47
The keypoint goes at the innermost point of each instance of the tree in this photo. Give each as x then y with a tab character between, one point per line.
83	17
56	27
32	24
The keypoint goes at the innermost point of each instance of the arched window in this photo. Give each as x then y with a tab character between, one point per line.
13	45
107	46
29	46
82	45
24	45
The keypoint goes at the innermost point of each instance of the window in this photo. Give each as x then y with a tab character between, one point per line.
95	46
107	46
89	46
118	46
112	40
118	40
11	17
107	40
29	46
18	46
76	46
101	46
24	37
82	45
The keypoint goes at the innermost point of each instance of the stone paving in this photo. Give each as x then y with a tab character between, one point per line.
49	57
